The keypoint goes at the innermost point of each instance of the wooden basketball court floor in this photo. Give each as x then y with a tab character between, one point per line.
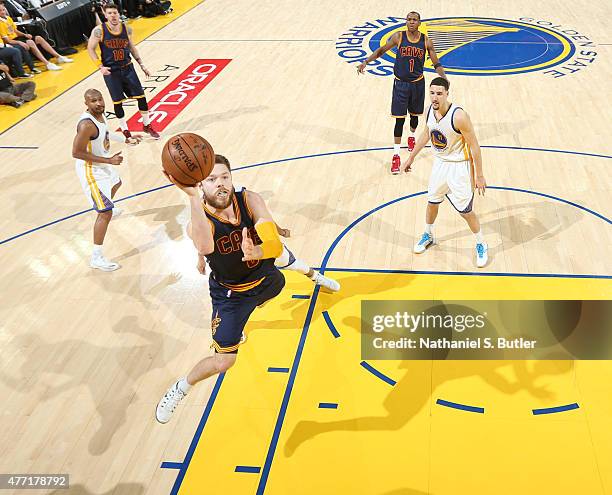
85	356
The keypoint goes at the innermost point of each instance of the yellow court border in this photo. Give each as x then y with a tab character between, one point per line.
329	371
52	84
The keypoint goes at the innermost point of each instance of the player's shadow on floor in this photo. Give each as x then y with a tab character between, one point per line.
412	392
198	123
339	139
172	229
120	489
351	286
524	222
125	364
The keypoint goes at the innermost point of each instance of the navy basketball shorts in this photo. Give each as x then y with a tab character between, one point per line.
123	83
408	98
231	309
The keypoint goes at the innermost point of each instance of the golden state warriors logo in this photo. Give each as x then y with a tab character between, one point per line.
438	140
477	46
107	142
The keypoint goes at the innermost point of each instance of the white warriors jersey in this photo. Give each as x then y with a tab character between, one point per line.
447	142
99	146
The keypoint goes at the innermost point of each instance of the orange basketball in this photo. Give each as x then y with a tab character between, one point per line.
188	158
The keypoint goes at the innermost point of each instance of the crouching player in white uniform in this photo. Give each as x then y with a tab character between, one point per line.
96	169
457	167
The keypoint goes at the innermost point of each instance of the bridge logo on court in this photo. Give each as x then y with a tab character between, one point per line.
477	46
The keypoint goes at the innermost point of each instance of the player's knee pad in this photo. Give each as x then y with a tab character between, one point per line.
414	122
119	112
143	106
399	127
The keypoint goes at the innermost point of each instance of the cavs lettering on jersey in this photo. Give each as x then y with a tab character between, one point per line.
226	261
410	58
447	142
114	48
99	145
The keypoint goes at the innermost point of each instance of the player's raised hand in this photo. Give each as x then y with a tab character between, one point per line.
188	190
361	67
481	184
408	164
116	159
249	249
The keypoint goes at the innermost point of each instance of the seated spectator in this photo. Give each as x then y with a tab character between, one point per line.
16	9
14	94
11	56
11	35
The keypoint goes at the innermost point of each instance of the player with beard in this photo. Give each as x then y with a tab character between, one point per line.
234	231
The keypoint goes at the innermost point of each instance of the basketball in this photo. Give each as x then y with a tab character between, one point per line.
188	158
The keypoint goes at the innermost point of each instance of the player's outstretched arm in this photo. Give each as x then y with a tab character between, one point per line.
133	140
200	229
433	56
420	143
462	122
393	41
86	130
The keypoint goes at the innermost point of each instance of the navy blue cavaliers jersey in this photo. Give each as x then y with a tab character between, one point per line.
410	58
114	48
226	261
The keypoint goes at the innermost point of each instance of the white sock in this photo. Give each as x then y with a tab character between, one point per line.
145	118
183	385
97	251
479	238
123	124
299	266
428	227
396	149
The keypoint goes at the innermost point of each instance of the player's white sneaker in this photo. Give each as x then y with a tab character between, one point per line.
168	403
101	263
426	241
117	212
64	60
52	66
482	256
327	284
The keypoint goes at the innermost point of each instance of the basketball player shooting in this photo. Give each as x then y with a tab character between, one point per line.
409	83
96	169
116	50
234	231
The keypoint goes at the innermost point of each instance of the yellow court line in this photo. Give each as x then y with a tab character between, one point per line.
51	84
